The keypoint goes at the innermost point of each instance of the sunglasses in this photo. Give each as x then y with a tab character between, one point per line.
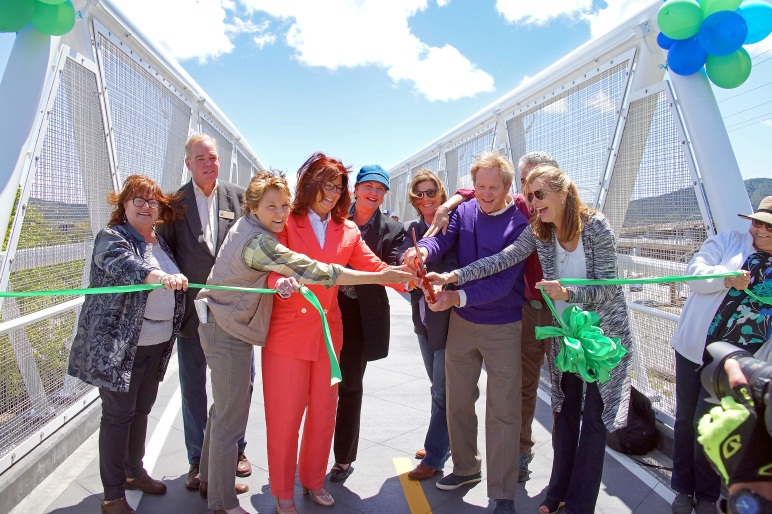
539	194
431	193
759	224
329	186
141	202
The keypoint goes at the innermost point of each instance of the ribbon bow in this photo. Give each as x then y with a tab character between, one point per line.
585	349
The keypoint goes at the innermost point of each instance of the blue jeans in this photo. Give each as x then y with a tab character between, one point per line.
578	465
193	385
692	473
437	442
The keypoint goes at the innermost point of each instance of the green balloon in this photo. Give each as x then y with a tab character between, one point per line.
52	2
55	20
729	71
15	14
679	19
708	7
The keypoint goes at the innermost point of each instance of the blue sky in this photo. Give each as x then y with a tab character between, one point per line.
372	81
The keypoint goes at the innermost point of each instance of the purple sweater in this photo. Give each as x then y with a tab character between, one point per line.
499	298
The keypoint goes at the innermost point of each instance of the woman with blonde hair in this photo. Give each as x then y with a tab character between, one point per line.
234	321
572	240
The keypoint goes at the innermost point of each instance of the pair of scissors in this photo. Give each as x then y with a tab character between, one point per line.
420	269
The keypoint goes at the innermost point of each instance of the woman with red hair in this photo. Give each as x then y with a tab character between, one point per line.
296	368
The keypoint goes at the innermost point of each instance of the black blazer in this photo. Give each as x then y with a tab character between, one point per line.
384	239
185	238
435	329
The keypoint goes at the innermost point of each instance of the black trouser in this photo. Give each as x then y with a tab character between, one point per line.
123	428
350	390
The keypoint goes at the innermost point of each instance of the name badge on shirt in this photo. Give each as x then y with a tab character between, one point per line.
228	215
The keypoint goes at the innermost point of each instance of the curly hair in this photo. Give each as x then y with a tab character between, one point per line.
170	207
312	176
259	184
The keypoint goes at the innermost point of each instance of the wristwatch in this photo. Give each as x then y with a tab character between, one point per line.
746	501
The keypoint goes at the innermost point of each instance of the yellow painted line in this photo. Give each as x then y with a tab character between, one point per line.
414	493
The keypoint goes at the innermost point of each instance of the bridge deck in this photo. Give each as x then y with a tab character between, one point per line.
394	419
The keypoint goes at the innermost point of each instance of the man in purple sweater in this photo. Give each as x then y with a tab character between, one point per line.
484	328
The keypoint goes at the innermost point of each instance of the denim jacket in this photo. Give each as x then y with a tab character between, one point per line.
105	343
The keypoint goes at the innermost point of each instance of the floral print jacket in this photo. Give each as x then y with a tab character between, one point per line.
105	343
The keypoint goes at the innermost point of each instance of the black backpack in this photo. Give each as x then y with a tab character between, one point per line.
640	435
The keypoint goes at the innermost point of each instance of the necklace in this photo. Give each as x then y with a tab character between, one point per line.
564	255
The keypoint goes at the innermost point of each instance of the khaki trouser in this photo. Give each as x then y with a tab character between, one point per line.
230	360
468	346
533	352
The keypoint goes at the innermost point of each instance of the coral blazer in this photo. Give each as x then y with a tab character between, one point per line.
296	328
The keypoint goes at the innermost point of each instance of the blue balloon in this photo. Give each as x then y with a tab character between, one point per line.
686	57
722	33
664	42
758	16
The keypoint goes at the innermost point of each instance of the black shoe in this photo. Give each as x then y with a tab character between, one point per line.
453	481
338	474
504	507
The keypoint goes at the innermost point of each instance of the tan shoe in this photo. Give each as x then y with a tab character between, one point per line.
191	480
117	506
146	484
320	497
286	510
243	467
203	489
422	472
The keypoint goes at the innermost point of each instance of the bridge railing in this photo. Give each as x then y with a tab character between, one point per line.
643	147
108	103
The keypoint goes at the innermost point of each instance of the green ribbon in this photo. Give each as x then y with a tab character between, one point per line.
309	295
585	349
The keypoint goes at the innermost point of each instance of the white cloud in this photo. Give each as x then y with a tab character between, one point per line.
540	12
187	29
442	3
603	20
264	40
344	33
767	123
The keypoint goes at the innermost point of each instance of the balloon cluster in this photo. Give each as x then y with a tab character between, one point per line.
712	33
53	17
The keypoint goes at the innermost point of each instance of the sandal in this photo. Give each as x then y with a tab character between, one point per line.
338	474
550	506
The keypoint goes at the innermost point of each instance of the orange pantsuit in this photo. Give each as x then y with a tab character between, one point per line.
296	368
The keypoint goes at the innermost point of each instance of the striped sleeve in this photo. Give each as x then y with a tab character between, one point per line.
265	253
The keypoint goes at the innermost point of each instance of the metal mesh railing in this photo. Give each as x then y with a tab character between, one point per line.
461	158
224	149
150	123
576	127
245	170
66	206
652	203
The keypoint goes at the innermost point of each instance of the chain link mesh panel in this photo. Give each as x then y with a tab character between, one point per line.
576	127
398	195
245	169
66	207
652	197
224	149
460	159
149	122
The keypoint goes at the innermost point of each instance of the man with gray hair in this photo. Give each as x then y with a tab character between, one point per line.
484	328
535	311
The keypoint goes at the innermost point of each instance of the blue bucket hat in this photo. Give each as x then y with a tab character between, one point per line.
373	172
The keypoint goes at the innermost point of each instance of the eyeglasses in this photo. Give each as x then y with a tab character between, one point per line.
539	194
431	193
329	186
141	202
759	224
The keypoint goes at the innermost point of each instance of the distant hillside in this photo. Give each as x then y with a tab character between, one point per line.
659	209
758	188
